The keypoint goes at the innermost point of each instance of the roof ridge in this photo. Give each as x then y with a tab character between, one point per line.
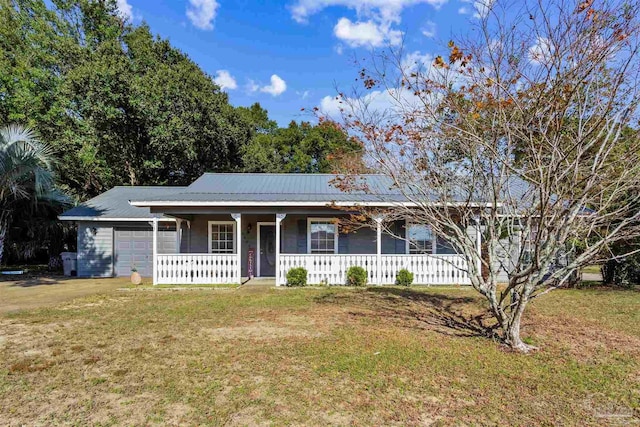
148	186
289	173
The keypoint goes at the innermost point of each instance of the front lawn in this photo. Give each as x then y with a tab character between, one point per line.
375	356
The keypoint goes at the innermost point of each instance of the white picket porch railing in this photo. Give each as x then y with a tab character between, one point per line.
332	269
329	269
426	269
193	269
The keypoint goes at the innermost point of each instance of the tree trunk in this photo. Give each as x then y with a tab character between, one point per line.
3	235
511	327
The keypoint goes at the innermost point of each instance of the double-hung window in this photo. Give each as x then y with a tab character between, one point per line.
322	236
222	237
422	240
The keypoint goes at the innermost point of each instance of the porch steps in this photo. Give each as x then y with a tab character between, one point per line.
260	281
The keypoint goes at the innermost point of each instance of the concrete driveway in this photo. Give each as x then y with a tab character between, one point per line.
36	292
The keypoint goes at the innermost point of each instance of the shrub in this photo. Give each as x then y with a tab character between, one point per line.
625	272
297	277
404	277
356	276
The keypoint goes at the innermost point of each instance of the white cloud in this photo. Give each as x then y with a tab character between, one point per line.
541	52
202	13
368	33
277	86
225	80
482	8
252	86
386	10
375	19
429	29
303	94
479	9
417	61
124	10
381	103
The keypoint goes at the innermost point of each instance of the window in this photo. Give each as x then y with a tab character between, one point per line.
322	236
420	239
222	237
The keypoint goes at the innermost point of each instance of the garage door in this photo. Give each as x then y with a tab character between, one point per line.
134	248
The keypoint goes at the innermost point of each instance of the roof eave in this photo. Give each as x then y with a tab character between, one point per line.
190	203
122	219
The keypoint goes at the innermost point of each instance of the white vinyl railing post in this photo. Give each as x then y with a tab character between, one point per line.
178	234
155	251
279	273
238	269
378	250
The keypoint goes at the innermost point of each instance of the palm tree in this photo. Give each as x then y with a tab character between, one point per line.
25	174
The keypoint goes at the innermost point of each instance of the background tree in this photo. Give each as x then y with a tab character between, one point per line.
118	105
26	177
301	148
517	133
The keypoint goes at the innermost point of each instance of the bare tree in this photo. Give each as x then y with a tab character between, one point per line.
525	131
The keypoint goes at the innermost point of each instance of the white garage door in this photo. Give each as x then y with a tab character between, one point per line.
134	249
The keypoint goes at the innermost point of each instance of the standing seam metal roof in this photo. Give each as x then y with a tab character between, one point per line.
259	187
114	203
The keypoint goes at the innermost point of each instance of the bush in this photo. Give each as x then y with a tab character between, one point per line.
625	272
356	276
404	277
297	277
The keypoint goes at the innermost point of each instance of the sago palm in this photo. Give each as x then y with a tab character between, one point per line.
25	173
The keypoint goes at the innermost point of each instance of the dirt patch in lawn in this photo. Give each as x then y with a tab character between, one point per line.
257	331
36	293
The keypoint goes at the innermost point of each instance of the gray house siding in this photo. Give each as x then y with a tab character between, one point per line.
95	250
98	255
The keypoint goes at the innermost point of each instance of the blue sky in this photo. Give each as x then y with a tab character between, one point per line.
292	54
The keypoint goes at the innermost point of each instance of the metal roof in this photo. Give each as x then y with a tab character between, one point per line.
114	204
244	189
270	187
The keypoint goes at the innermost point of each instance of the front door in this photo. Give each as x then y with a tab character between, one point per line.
267	248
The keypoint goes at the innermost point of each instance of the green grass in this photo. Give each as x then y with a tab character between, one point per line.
148	285
390	356
594	269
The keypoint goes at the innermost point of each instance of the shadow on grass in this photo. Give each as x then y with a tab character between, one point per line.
31	281
446	314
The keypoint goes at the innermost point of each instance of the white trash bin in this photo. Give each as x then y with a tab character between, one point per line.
69	263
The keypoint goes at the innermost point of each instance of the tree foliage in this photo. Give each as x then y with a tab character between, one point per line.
118	105
26	178
300	148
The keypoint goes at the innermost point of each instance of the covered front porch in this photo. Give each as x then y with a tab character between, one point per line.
226	247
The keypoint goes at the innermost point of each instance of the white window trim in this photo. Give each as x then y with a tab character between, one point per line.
335	238
434	239
235	243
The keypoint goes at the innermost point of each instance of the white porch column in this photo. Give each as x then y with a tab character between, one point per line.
378	250
279	218
178	235
155	250
238	218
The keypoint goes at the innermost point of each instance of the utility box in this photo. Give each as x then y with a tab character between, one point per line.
69	263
